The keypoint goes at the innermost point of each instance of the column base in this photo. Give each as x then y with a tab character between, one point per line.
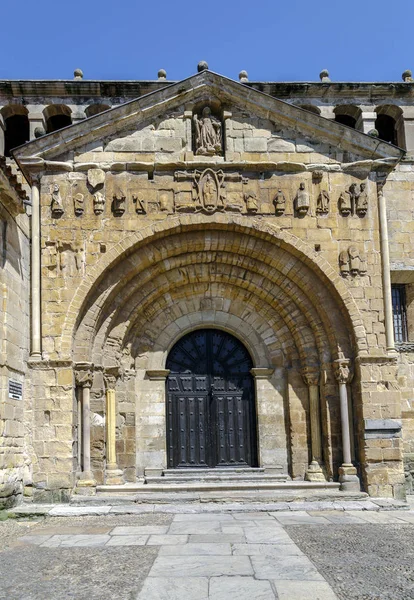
86	484
314	472
349	479
114	476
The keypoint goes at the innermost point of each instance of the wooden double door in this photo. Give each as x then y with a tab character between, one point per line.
211	413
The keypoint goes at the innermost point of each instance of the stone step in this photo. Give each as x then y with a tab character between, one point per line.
261	498
215	487
203	471
215	477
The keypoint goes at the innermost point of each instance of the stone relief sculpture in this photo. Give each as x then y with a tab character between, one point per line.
56	204
98	203
78	204
96	180
353	262
302	200
118	203
164	204
361	207
344	204
354	201
344	263
279	202
252	204
208	133
138	200
322	203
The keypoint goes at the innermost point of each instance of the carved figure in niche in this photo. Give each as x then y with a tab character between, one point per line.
344	202
353	260
208	133
209	193
164	204
140	208
118	203
302	200
361	206
98	203
344	263
322	203
252	204
57	204
280	202
78	204
210	190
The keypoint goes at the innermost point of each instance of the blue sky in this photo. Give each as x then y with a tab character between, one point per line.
289	40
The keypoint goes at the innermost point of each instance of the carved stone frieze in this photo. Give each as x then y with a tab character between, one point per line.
352	261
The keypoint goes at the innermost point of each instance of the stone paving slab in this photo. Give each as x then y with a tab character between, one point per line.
285	568
274	551
139	530
204	566
75	540
128	540
242	588
203	549
167	540
170	588
219	538
210	526
304	590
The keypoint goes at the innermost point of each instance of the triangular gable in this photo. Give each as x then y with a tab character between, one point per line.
205	86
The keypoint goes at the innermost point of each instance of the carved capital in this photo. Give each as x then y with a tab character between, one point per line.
343	371
310	375
84	374
111	375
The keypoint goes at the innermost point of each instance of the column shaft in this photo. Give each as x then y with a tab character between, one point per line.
86	433
35	283
110	429
79	424
386	274
346	440
315	423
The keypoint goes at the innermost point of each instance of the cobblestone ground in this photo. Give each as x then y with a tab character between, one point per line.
362	562
323	555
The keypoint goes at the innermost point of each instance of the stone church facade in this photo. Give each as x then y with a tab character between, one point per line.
214	268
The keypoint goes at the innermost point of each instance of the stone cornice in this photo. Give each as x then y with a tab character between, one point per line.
32	88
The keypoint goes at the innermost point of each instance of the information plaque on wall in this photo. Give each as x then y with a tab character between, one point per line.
15	390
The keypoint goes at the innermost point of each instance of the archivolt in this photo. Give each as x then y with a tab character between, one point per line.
273	273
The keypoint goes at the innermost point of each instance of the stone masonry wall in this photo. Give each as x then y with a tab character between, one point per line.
14	352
